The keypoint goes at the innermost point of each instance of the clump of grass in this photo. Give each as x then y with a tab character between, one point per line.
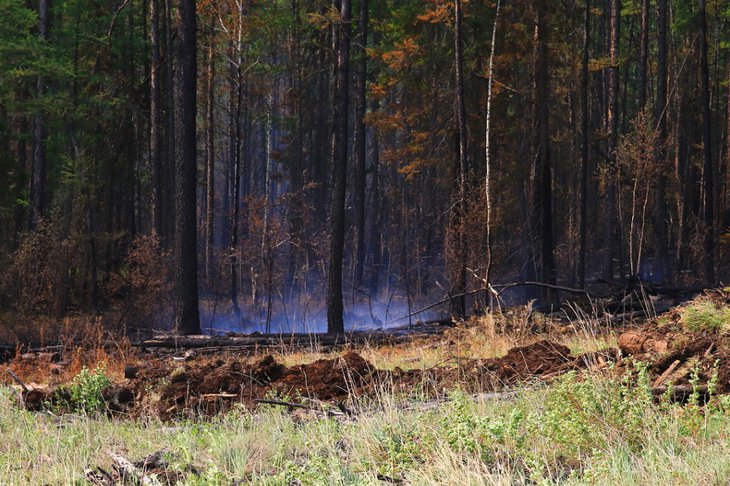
706	316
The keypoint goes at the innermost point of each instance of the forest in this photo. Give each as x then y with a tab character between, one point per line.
316	165
364	242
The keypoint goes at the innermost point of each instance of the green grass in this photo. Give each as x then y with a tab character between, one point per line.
705	316
581	430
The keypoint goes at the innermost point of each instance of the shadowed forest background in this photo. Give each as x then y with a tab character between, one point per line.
314	165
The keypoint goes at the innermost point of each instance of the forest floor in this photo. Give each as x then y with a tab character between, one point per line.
511	398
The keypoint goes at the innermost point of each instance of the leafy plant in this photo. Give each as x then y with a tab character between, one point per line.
86	392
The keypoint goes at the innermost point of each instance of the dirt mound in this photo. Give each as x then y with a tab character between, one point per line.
535	359
695	337
216	386
328	379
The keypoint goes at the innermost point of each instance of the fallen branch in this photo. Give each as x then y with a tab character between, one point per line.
283	404
127	470
666	374
509	286
16	379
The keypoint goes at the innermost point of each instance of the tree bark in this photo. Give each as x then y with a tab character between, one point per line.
187	317
335	322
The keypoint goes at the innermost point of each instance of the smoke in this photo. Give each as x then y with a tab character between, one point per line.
298	318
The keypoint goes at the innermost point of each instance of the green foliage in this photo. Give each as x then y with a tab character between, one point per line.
705	316
86	391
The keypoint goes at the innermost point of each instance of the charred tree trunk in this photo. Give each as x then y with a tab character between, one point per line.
542	204
335	322
187	317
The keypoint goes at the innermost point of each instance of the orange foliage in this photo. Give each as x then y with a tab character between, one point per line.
398	57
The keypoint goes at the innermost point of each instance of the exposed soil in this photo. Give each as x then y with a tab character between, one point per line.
196	383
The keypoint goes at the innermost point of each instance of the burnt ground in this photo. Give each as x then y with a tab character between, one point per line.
195	384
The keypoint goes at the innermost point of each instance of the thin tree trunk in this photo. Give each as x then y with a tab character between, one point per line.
187	317
660	116
487	153
335	322
643	53
708	169
236	91
459	286
210	157
360	145
38	170
169	218
612	123
156	141
584	146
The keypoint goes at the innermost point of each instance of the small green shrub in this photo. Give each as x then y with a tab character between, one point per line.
86	392
705	316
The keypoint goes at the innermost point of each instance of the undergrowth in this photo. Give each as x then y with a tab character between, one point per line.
583	429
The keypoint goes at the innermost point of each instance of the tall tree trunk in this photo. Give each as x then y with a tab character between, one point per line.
236	92
459	286
542	205
210	156
187	317
487	154
169	219
156	140
662	161
360	143
612	123
708	169
643	53
584	146
335	323
38	170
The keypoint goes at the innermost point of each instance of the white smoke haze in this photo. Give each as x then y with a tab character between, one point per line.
309	319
